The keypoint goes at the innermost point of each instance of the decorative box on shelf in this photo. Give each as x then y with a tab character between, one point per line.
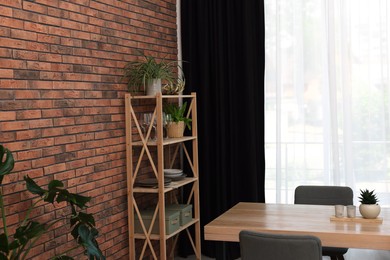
172	221
185	212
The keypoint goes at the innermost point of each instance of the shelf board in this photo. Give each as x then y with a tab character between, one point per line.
167	141
173	185
157	237
162	96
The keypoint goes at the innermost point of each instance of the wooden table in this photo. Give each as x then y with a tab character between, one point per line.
301	219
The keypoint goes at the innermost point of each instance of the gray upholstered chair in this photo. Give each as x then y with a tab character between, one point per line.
326	195
257	246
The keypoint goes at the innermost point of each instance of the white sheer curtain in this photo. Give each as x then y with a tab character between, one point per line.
327	96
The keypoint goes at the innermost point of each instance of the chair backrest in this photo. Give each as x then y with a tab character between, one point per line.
257	246
323	195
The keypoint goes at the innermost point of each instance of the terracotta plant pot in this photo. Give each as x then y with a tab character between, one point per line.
369	210
176	129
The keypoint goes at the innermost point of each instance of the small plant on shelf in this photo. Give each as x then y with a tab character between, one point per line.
179	120
18	245
369	207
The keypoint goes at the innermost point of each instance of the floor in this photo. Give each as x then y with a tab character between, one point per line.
192	257
353	254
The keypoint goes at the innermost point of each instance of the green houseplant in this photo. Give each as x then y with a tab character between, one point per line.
369	207
17	246
179	120
175	87
149	73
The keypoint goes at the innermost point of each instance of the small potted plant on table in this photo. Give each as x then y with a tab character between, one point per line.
369	207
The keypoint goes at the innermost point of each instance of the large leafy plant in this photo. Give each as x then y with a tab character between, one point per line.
140	71
28	233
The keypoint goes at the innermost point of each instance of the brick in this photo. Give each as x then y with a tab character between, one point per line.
53	3
59	31
28	114
25	35
52	113
76	164
48	132
49	20
7	94
27	94
38	84
54	168
53	150
52	94
10	22
25	55
50	57
38	65
63	121
65	139
36	27
74	147
26	74
49	39
28	134
34	7
6	11
30	154
13	126
42	142
36	46
14	64
7	136
41	123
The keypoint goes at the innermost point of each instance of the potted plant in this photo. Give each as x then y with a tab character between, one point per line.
176	86
369	207
17	245
178	119
149	73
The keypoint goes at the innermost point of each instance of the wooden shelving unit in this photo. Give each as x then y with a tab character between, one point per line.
136	139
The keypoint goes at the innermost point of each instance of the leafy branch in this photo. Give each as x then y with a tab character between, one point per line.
18	245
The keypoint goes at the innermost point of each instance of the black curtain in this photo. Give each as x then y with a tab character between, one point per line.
223	50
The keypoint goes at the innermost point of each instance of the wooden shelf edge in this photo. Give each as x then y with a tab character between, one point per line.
167	141
162	96
173	185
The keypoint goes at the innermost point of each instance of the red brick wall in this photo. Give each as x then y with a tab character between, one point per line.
62	107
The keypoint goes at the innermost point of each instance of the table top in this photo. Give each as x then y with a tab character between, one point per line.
301	220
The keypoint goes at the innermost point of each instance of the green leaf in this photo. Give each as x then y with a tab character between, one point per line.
33	187
88	240
7	163
80	200
29	231
75	230
55	184
4	247
73	198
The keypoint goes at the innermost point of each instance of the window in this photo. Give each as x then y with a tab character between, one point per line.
327	96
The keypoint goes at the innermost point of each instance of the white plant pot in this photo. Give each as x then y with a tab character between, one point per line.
369	210
153	86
